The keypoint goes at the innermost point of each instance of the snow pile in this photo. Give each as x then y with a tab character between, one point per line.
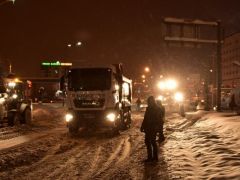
206	147
48	115
227	124
48	112
25	155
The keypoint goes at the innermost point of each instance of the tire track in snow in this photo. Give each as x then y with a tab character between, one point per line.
110	160
126	151
48	163
132	146
93	165
68	165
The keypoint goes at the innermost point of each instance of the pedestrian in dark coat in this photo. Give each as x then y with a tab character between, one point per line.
161	137
138	102
232	103
150	126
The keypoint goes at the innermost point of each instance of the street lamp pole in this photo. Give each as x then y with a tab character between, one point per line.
218	64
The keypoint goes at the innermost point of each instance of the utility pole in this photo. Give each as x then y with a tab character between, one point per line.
218	65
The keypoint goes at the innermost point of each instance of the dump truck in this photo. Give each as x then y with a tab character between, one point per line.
97	97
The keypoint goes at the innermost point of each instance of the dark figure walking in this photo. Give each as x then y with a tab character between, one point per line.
150	126
232	103
161	137
138	102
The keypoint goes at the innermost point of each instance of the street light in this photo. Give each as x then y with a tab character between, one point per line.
169	84
147	69
79	43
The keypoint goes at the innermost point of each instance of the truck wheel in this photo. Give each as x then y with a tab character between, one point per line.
126	123
17	120
129	120
27	116
11	119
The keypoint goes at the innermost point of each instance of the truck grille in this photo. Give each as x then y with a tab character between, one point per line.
80	103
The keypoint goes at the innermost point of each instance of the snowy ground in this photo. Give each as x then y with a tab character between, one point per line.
204	146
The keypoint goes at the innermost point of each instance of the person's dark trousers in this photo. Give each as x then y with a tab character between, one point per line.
152	149
161	135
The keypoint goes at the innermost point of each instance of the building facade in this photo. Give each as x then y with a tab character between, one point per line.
231	61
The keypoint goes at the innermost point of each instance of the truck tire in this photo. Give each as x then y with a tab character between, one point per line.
10	118
129	120
17	120
27	119
126	122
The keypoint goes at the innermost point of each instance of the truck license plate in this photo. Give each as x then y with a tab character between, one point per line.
89	116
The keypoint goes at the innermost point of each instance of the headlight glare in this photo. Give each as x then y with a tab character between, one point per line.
178	97
12	84
68	117
111	117
14	96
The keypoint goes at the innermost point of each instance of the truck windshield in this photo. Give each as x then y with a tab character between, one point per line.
89	79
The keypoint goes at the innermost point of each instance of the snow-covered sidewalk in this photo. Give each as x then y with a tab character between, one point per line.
205	146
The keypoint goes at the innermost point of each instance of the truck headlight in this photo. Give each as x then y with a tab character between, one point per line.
2	100
111	117
68	117
11	84
178	97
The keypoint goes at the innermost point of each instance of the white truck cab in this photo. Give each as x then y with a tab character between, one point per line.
98	97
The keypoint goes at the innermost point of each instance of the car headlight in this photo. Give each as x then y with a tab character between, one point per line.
2	100
111	117
178	97
14	96
68	117
12	84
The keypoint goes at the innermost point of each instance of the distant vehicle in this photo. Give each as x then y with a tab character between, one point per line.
143	106
15	107
97	97
201	105
234	102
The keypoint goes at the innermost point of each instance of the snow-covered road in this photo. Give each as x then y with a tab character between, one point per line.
197	148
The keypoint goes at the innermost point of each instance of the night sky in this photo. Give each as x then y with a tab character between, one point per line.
127	31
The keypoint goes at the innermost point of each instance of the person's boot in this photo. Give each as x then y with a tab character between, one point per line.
148	160
155	153
149	152
155	159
